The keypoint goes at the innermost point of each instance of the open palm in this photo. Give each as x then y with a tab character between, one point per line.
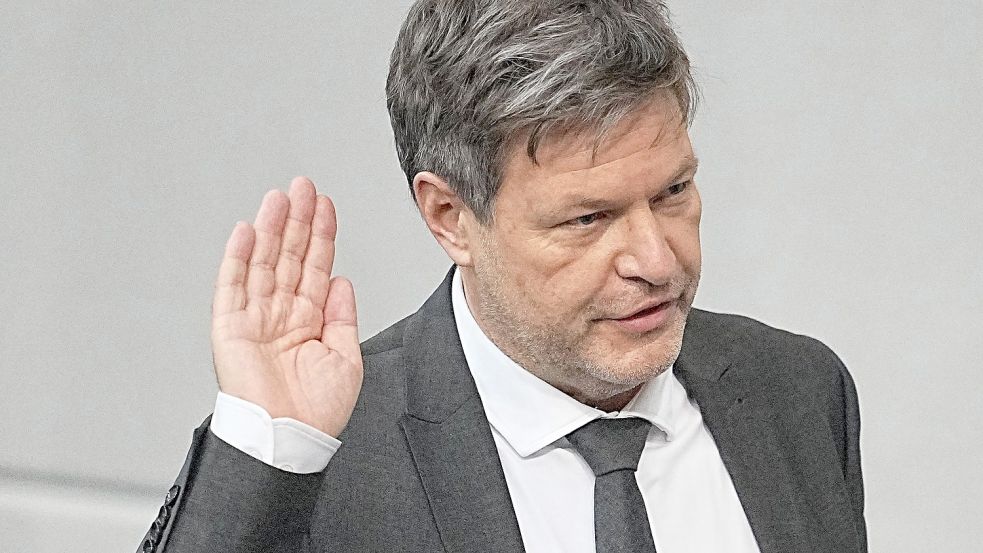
284	332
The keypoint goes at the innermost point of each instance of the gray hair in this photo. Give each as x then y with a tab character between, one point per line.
469	78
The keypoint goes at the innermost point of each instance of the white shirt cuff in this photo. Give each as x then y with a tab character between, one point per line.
284	443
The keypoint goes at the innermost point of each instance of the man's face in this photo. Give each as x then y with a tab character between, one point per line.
591	263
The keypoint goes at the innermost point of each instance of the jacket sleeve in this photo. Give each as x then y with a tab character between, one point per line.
225	500
852	471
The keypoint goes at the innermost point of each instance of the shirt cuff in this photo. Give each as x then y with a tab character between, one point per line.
283	442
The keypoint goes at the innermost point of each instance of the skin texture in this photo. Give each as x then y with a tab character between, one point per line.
547	274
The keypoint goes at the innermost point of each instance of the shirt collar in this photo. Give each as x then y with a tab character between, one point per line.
529	413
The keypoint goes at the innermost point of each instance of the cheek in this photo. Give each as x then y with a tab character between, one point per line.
688	256
559	279
685	241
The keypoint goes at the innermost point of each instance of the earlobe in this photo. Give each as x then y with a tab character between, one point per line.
445	215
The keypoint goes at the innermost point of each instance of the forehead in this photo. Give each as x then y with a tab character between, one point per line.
644	149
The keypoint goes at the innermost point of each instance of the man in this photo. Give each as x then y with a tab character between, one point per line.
557	392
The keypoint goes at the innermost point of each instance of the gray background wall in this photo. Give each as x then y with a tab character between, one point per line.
841	152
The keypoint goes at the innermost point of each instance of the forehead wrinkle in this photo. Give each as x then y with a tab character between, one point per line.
687	164
559	147
661	134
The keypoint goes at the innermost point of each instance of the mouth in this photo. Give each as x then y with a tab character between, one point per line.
648	318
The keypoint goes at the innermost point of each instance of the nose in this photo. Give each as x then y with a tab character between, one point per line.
646	252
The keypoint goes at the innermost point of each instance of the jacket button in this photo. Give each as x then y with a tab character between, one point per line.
172	494
156	531
163	515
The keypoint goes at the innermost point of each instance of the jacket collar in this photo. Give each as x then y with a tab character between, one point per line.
438	382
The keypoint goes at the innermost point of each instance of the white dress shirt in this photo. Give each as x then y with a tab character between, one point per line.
691	502
284	443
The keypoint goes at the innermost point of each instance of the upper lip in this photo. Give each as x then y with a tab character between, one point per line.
646	306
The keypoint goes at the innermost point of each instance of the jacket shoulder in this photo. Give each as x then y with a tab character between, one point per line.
787	363
386	340
744	337
783	364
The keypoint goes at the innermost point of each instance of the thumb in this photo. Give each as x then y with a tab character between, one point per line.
340	330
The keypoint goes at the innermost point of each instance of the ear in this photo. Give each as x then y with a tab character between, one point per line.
451	222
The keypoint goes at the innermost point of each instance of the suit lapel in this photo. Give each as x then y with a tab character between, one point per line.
450	438
741	421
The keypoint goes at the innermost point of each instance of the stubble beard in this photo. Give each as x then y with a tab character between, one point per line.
566	360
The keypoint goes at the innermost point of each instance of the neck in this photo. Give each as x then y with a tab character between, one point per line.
608	403
617	402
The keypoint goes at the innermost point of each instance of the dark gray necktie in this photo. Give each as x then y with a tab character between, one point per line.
612	447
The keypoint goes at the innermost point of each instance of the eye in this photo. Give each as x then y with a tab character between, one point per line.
678	188
585	220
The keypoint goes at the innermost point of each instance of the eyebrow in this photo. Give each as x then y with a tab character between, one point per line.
688	164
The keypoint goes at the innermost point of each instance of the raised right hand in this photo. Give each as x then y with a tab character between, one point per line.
284	333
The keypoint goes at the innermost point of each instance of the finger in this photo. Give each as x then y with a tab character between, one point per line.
316	277
230	290
296	234
269	231
340	331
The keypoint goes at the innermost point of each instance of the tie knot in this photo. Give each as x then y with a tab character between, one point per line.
611	444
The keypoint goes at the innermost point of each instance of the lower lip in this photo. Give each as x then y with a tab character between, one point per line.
647	320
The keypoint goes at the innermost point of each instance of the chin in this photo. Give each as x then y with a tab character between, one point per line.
635	363
634	368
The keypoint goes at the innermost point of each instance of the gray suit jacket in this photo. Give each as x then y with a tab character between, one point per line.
419	471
